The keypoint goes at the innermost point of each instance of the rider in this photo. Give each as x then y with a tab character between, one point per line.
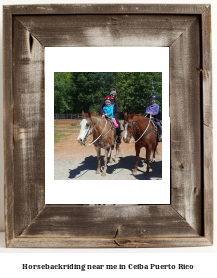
114	102
108	110
153	110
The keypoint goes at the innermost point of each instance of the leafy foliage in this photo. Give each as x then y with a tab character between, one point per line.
77	91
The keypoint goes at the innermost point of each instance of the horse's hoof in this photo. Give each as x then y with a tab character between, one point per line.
149	170
153	160
97	172
110	160
116	160
103	174
134	172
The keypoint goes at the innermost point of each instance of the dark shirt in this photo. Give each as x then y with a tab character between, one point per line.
115	110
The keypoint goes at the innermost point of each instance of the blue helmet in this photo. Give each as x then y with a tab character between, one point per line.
153	97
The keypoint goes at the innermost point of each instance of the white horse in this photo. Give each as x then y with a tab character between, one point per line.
103	137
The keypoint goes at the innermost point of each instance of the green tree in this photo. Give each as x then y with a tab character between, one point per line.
62	88
77	91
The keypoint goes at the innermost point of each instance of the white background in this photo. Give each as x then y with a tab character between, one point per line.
204	258
88	59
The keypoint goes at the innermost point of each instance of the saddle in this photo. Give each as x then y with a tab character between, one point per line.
154	124
110	121
153	121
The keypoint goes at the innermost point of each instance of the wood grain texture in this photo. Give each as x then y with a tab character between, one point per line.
207	67
8	125
62	242
207	122
208	182
106	9
109	222
185	114
186	30
107	30
29	140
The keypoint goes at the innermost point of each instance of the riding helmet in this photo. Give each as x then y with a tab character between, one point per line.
153	97
108	99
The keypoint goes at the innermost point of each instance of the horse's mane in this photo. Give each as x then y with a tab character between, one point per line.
93	114
134	115
97	116
138	115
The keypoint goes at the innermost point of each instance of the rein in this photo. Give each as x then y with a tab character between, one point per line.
143	134
98	136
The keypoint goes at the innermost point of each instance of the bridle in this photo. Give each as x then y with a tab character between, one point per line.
86	136
143	134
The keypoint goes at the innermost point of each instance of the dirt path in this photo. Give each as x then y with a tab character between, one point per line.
73	161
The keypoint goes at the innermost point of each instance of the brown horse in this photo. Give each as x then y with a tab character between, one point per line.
140	129
103	137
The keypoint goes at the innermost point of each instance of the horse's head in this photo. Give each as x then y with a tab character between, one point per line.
129	127
86	128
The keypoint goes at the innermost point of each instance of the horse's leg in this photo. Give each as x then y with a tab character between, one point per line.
98	151
112	148
137	159
105	161
154	151
154	148
117	152
153	156
148	155
110	156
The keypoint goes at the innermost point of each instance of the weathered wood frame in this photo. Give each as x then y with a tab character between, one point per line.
186	29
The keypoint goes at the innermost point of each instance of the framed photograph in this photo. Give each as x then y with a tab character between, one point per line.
47	202
77	86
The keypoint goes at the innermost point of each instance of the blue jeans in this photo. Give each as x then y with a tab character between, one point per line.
159	127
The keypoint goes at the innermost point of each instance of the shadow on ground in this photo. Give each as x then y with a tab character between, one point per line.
128	162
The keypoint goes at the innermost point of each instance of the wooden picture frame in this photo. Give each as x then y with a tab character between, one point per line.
186	30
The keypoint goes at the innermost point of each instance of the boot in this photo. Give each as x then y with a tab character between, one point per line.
118	140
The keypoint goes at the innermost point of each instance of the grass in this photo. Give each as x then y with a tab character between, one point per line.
73	126
63	131
58	136
66	127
